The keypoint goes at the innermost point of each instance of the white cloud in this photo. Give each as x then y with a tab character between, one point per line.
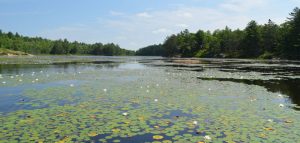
161	30
134	44
294	1
182	25
242	5
145	31
147	28
185	14
144	15
121	37
137	30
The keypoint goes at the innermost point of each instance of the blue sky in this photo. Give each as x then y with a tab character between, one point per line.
133	23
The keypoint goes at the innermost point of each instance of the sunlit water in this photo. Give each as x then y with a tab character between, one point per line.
138	99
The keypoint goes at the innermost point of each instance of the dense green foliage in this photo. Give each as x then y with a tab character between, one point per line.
153	50
255	41
44	46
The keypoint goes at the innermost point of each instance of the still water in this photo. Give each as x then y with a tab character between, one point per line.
148	99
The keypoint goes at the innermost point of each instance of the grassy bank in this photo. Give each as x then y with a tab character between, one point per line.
7	52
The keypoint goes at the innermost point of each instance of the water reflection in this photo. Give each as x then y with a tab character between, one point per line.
288	87
279	68
11	69
282	70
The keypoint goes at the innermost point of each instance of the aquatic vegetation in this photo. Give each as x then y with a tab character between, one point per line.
70	105
195	122
207	137
158	137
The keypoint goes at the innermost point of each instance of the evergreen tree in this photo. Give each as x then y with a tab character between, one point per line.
152	50
270	36
292	41
171	46
57	48
251	43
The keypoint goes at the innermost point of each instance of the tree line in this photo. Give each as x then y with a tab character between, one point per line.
152	50
255	41
266	41
37	45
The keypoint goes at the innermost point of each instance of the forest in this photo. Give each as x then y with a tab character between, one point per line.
39	45
268	41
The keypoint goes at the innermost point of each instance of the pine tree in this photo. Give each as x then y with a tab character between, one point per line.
291	48
251	43
269	36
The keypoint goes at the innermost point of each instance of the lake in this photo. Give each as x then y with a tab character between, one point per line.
148	99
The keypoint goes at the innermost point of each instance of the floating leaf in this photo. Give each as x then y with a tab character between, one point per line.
288	121
92	134
268	129
158	137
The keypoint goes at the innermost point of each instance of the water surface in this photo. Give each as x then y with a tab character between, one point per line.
148	99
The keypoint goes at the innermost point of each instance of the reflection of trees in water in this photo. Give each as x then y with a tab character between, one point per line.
108	66
19	68
58	67
290	87
263	69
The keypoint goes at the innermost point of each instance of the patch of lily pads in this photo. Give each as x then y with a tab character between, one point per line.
148	104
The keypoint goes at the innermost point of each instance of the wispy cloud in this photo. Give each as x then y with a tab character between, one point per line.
242	5
295	2
144	15
149	27
161	31
135	30
182	25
